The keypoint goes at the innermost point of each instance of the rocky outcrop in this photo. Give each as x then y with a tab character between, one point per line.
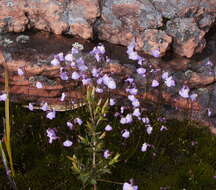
71	17
186	22
155	25
155	90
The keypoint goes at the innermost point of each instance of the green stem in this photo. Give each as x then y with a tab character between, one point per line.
109	181
7	117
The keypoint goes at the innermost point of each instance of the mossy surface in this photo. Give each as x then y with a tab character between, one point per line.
184	156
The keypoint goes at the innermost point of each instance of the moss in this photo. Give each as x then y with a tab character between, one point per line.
173	162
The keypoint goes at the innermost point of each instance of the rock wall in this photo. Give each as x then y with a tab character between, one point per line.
34	58
156	25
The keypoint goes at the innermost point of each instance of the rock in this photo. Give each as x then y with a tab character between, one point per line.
188	39
118	22
197	75
151	40
22	39
186	22
72	17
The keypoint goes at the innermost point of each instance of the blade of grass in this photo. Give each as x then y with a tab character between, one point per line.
7	118
13	184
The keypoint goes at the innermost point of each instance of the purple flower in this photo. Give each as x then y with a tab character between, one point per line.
69	57
144	147
155	83
145	120
136	103
63	76
131	53
99	90
193	97
39	85
163	128
165	75
132	91
75	75
125	134
44	107
60	56
209	63
149	129
106	154
108	128
123	120
51	133
51	115
169	82
122	108
112	102
67	143
136	112
209	112
30	107
78	121
95	72
141	71
109	82
184	92
155	53
86	81
70	125
63	95
129	118
20	72
74	50
130	80
3	97
128	186
131	97
100	80
55	62
82	67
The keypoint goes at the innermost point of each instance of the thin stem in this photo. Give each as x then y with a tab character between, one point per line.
109	181
7	117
